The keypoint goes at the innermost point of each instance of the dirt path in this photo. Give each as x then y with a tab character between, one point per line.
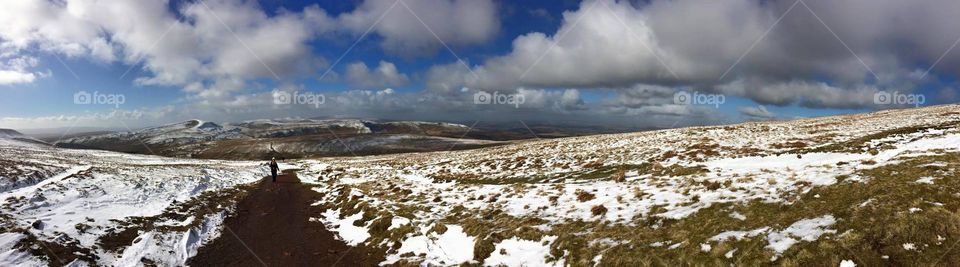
273	223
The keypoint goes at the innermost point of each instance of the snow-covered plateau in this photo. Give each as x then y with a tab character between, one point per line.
76	200
810	192
868	189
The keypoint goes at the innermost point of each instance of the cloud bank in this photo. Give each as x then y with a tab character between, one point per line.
819	54
209	45
810	53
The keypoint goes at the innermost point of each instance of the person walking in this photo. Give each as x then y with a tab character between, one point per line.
274	168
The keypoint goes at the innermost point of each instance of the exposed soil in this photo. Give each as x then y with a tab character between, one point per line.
272	228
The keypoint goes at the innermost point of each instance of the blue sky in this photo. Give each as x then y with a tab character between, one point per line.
590	62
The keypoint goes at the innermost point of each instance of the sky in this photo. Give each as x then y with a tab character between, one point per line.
644	64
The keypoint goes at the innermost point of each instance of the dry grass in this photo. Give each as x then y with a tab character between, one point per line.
860	145
863	233
620	176
584	196
598	210
790	145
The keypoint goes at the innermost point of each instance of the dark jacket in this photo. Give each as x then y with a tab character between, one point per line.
274	167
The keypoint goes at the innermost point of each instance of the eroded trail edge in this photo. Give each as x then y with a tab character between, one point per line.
272	227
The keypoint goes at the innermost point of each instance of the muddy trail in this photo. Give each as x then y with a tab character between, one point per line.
272	227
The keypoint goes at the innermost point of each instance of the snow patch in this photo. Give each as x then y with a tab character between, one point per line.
803	230
344	228
398	221
450	248
729	254
173	248
519	252
737	235
779	241
12	257
925	180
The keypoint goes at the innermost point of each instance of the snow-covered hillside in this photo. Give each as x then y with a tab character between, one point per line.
262	139
794	192
9	134
871	189
88	206
193	131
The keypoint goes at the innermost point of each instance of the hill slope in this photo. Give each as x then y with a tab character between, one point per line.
70	207
872	189
875	189
11	134
263	139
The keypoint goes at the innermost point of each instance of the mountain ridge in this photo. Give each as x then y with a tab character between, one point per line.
259	139
12	134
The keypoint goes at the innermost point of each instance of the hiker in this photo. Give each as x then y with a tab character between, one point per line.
274	168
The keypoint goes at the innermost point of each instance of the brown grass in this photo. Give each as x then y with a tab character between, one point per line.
620	176
584	196
863	234
598	210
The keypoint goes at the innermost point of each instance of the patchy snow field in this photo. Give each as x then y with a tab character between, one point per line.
78	197
570	200
865	190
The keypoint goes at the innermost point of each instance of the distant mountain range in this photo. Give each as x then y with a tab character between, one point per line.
298	138
261	139
11	134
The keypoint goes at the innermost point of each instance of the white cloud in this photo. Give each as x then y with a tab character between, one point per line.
643	51
16	70
618	44
642	95
610	44
385	75
455	22
758	112
198	42
655	104
111	119
810	94
556	100
541	105
57	24
205	44
15	77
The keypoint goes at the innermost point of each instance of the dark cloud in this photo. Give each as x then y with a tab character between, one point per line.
814	53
